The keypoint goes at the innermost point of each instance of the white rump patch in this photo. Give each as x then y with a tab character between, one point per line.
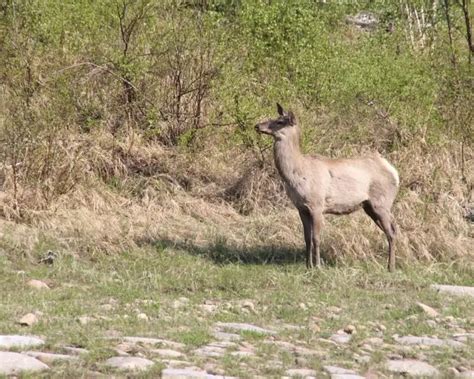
392	170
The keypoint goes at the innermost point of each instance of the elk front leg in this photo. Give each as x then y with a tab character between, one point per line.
307	221
317	217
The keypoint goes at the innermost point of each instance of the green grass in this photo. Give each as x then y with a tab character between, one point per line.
114	289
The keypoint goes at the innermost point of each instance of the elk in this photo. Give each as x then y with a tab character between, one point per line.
318	185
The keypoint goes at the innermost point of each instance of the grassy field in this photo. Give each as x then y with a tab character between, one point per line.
128	147
305	308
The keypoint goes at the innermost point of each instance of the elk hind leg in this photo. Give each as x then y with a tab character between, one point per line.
383	219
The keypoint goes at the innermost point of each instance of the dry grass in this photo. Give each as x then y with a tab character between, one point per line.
132	193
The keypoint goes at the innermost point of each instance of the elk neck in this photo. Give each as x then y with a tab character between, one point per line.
288	157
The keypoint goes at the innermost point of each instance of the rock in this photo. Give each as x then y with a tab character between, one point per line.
129	363
452	371
176	363
28	319
167	353
49	357
428	341
15	341
463	337
222	336
412	367
362	358
84	320
15	364
242	354
432	323
173	373
376	341
213	368
333	309
454	290
301	372
210	351
179	303
427	309
75	350
248	304
363	20
214	349
120	352
467	374
37	284
350	329
142	316
394	356
240	327
330	342
154	341
297	350
107	307
291	327
208	308
341	373
341	338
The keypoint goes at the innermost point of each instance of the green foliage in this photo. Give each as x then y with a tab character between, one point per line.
169	69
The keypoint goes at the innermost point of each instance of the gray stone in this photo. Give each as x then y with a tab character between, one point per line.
75	350
222	336
427	309
167	353
466	375
15	341
412	367
376	341
341	338
208	308
49	357
302	372
173	373
463	337
242	354
341	373
28	319
428	341
364	20
454	290
240	327
154	341
210	351
222	344
297	350
84	320
129	363
15	363
37	284
175	363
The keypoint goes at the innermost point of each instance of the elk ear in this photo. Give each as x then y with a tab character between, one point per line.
280	110
291	117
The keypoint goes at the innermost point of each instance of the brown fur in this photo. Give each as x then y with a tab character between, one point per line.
317	185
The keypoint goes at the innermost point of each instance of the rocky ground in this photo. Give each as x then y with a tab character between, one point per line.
262	321
254	347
